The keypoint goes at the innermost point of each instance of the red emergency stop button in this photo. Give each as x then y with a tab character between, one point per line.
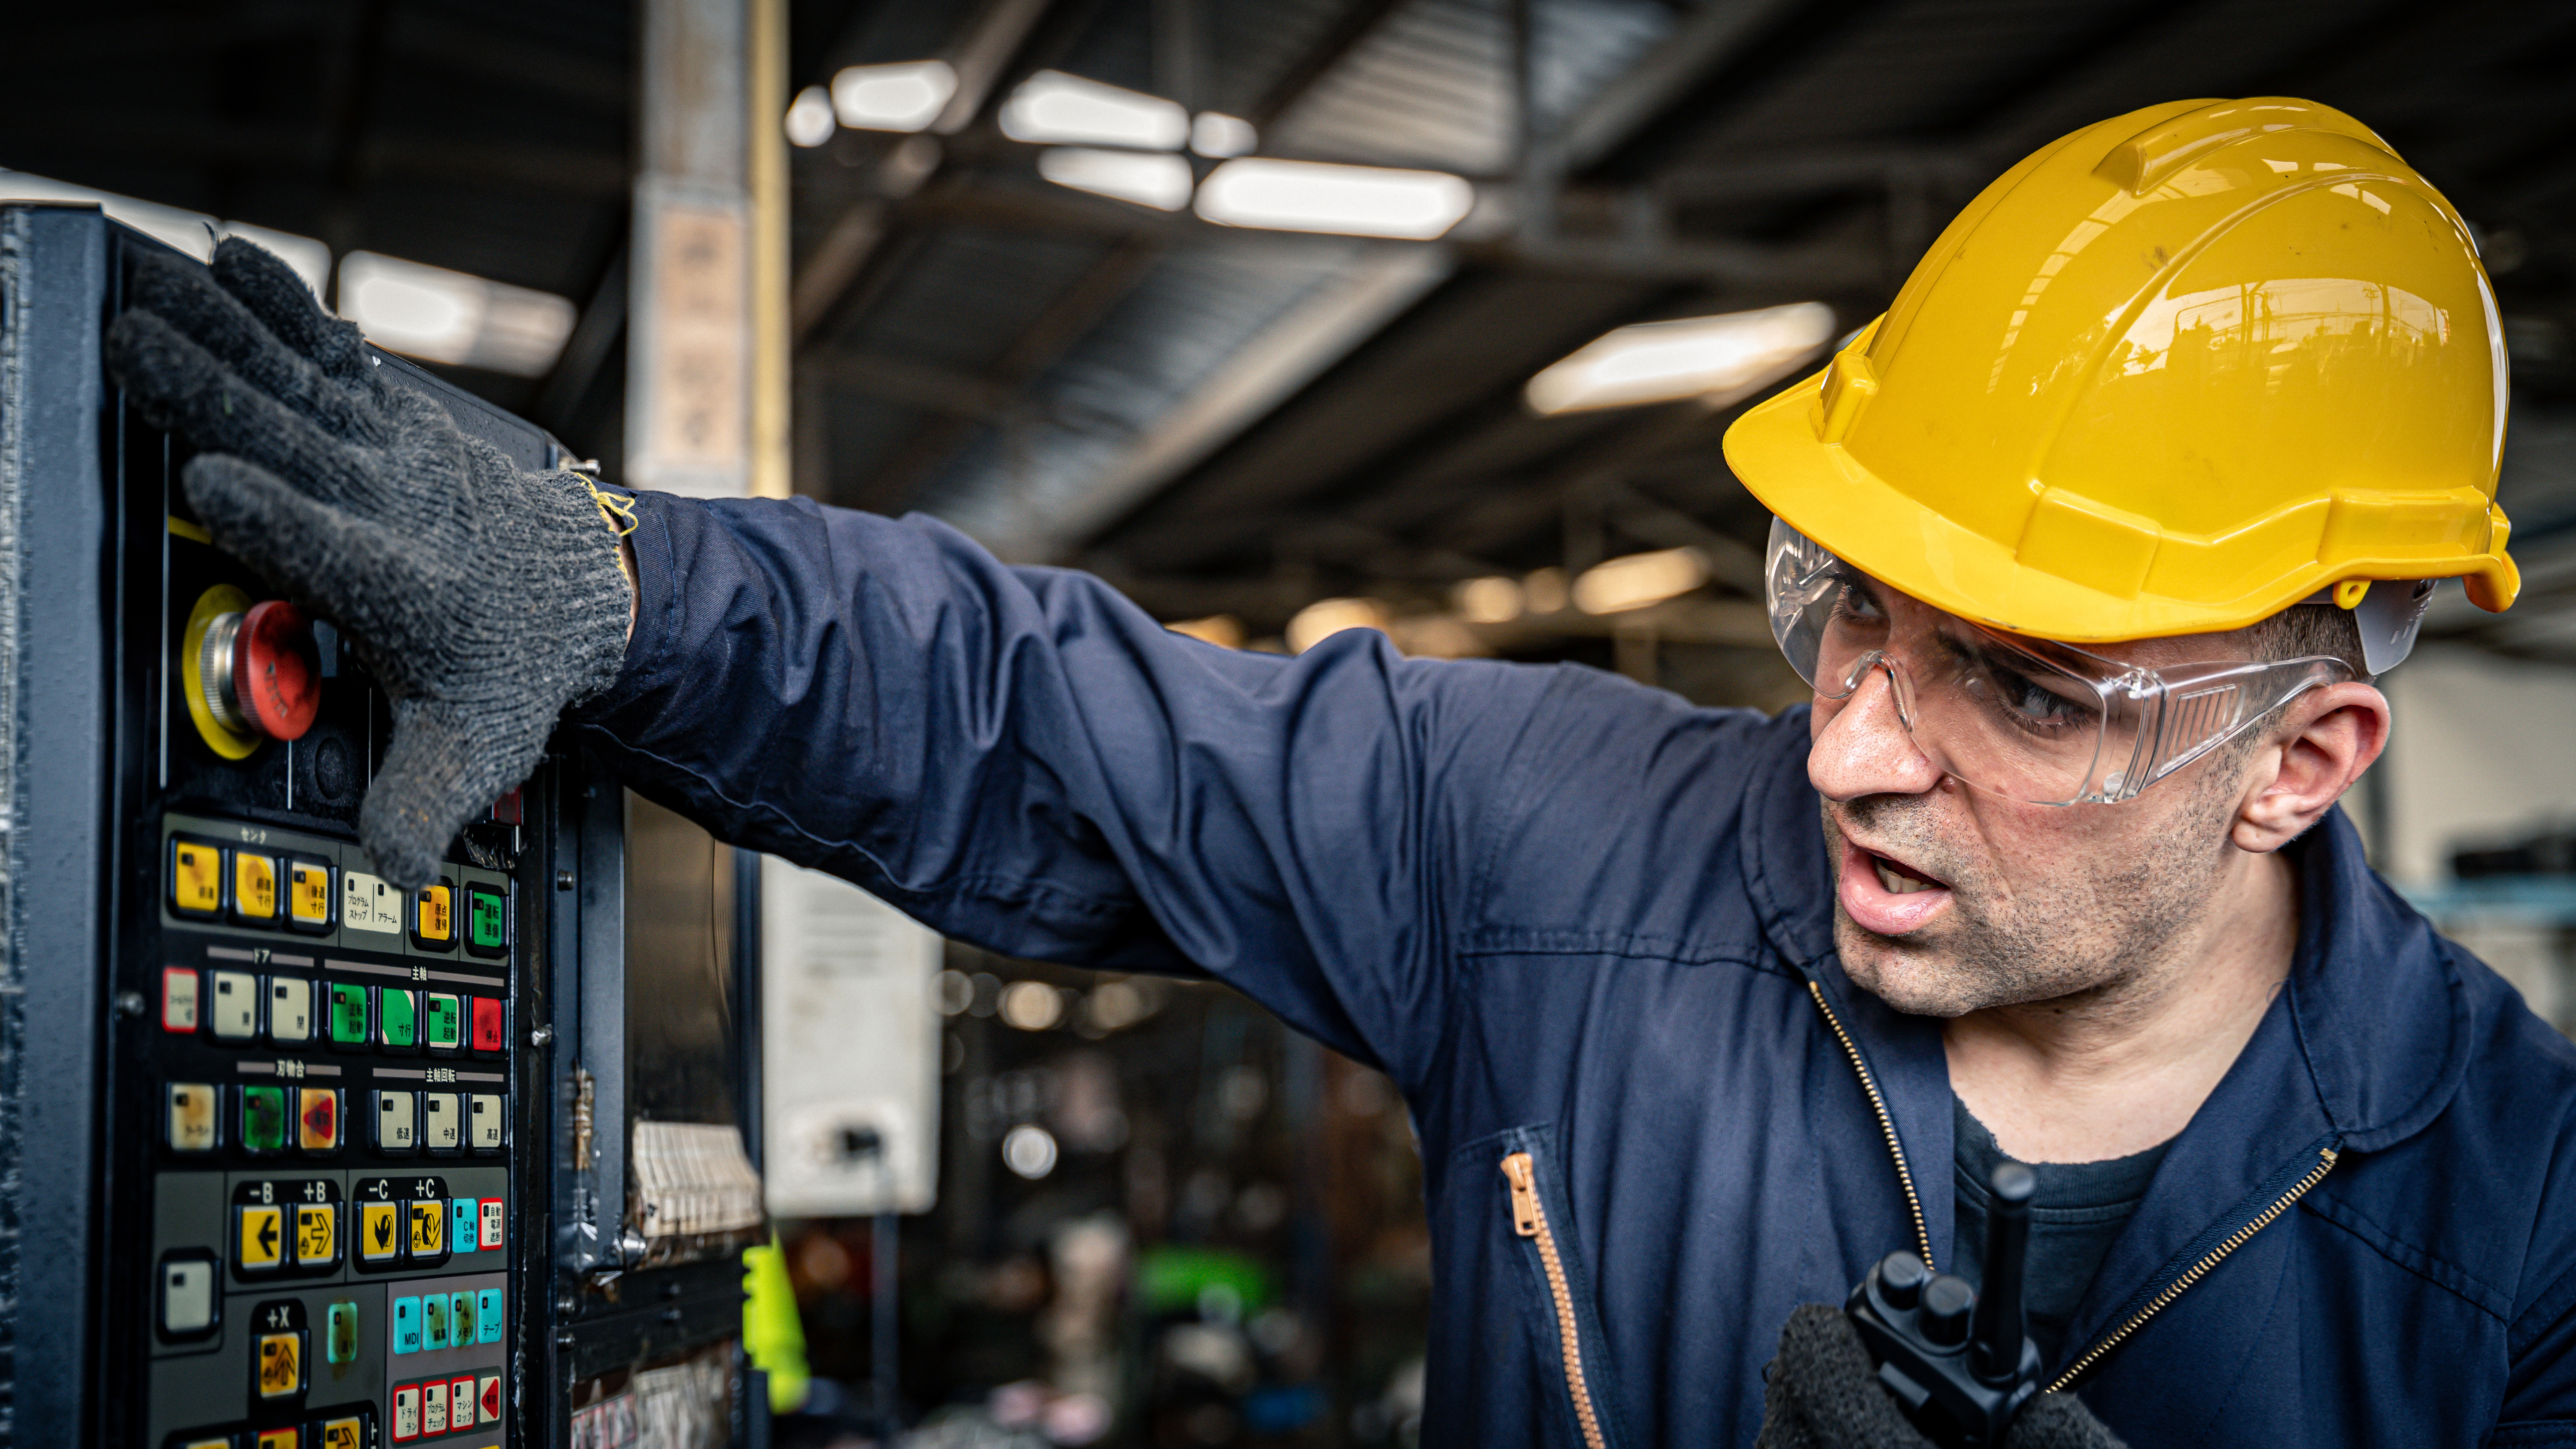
272	683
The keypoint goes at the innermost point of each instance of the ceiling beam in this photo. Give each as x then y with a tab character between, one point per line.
1357	22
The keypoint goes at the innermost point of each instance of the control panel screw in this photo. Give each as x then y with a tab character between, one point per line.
540	1036
563	880
129	1003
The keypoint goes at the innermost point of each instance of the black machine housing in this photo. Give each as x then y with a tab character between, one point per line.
172	1285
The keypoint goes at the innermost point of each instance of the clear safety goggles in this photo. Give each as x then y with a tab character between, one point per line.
2024	718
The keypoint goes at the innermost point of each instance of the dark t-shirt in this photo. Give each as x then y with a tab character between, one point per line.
2075	1212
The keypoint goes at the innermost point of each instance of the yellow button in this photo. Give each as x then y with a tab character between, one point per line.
429	1228
254	886
308	893
277	1439
317	1233
281	1365
437	918
263	1239
342	1433
196	878
379	1230
226	1442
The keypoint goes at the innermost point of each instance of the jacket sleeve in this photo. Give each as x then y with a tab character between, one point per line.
1023	760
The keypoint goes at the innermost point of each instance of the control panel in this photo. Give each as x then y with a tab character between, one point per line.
292	1158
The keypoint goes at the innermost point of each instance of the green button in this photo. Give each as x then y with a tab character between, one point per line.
340	1343
484	922
348	1014
395	1023
446	1022
264	1119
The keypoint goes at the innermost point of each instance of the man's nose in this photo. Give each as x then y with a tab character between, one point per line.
1861	745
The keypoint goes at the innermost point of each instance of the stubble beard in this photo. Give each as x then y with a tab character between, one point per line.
2081	928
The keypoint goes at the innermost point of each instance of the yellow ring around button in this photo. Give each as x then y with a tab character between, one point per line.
213	604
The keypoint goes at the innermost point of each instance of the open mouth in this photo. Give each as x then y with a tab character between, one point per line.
1900	879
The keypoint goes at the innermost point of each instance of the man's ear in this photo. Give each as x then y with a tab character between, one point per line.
2319	747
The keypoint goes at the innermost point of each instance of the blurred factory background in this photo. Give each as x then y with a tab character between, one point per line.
1285	316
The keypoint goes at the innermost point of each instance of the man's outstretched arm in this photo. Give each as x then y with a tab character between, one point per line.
1023	759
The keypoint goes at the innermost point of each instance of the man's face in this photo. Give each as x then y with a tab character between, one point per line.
1949	900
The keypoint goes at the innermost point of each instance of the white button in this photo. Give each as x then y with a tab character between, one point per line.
368	904
187	1296
178	999
393	1121
485	1125
290	1010
233	1012
440	1129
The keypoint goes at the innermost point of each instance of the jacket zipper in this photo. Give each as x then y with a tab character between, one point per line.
1886	1125
1529	1219
2171	1291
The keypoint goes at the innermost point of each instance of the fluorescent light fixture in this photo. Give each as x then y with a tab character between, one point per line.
443	316
1219	135
192	232
1148	178
1355	200
1639	579
1489	600
905	96
809	117
1053	106
1718	358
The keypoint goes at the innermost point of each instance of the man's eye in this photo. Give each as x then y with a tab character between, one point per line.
2035	703
1852	601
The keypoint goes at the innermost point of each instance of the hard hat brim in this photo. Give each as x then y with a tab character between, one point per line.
1777	450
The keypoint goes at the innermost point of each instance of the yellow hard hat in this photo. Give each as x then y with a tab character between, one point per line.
2172	374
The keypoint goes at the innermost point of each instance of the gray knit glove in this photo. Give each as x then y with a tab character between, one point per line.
1824	1393
483	598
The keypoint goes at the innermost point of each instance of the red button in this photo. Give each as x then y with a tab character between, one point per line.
490	1030
277	674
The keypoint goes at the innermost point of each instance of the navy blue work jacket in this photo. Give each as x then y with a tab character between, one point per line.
1587	929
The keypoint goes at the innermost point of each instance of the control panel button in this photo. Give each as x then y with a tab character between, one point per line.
200	1440
380	1241
254	888
460	1402
196	879
290	1011
178	999
407	1337
442	1022
188	1295
405	1419
426	1223
460	1320
489	1391
345	1014
483	1119
263	1119
442	1123
491	1025
491	1215
192	1116
308	895
433	1407
397	1127
433	916
397	1018
487	921
232	1007
368	904
342	1433
462	1234
280	1357
487	1318
259	1239
317	1119
340	1339
317	1235
433	1322
288	1438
